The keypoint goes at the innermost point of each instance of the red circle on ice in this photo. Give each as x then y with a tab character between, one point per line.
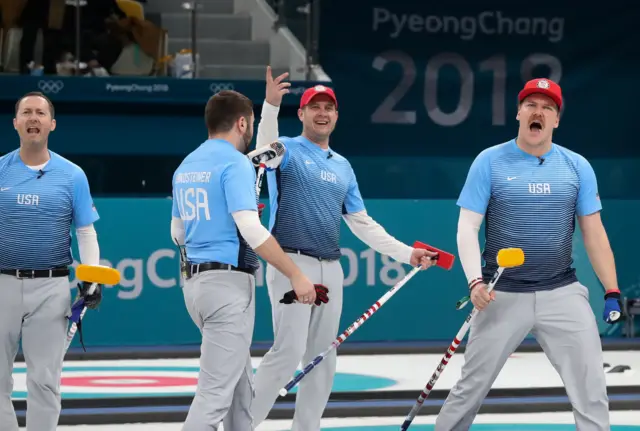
128	381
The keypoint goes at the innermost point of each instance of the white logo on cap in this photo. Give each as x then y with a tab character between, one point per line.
543	84
320	88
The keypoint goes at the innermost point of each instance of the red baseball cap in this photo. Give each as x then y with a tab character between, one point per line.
542	86
312	92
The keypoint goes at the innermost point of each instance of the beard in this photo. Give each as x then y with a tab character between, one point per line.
246	138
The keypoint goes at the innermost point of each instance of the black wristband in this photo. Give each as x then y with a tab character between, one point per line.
612	294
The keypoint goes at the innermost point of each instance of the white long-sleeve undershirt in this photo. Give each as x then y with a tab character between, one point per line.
469	224
375	236
177	231
250	228
268	125
248	223
88	245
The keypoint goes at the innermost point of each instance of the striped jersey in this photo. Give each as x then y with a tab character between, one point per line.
530	202
211	183
309	192
37	210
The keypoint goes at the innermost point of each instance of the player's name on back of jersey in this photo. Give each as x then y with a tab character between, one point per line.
138	89
193	177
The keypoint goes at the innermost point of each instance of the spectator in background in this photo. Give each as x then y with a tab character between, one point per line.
100	44
143	38
100	40
105	31
33	16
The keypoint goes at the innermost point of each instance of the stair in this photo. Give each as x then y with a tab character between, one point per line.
229	52
224	39
208	26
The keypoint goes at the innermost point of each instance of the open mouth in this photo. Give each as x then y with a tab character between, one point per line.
321	122
535	126
33	130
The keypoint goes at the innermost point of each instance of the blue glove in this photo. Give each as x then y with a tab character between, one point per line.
612	308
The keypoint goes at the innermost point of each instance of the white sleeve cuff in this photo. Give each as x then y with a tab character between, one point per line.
88	245
468	244
374	235
268	126
177	231
250	228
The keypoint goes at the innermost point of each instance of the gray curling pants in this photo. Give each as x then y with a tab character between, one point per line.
36	311
563	323
221	304
301	332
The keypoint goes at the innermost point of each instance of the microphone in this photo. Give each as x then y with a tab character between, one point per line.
541	159
41	173
329	155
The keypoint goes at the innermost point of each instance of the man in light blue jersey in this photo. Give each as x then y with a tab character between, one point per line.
311	190
41	196
215	219
530	190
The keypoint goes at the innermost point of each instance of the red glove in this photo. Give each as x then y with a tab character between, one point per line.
260	208
322	296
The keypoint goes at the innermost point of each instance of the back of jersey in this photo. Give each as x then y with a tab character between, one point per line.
211	183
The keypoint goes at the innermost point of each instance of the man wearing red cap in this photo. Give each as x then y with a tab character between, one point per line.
530	190
311	190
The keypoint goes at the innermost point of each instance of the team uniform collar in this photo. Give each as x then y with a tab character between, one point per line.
519	150
17	160
307	143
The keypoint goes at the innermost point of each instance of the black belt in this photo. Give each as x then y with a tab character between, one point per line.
36	273
304	253
195	268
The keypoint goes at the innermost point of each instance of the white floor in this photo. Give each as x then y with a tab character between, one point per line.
402	372
617	418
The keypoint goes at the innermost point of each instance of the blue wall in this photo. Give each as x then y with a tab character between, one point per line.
147	306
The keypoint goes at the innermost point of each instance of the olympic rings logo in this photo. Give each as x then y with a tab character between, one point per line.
217	87
50	86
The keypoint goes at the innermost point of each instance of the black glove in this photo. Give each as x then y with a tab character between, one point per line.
90	301
321	295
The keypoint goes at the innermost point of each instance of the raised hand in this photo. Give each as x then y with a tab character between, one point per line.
276	89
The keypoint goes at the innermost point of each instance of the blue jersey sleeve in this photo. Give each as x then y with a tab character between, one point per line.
353	202
287	152
84	211
477	187
588	197
239	185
